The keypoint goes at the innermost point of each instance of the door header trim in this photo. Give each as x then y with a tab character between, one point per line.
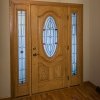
43	3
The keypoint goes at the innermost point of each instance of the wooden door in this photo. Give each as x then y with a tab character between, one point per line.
49	63
35	66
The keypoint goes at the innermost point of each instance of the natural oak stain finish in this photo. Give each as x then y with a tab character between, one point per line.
48	73
42	73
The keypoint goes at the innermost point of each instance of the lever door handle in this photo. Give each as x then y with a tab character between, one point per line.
35	54
34	48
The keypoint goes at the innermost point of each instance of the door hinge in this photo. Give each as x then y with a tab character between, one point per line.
68	77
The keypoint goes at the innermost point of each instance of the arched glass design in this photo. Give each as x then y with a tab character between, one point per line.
50	33
21	47
74	43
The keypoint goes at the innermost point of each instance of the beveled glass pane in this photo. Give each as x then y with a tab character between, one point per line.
74	44
50	32
21	47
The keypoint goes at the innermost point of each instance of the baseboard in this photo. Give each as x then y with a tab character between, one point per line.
98	89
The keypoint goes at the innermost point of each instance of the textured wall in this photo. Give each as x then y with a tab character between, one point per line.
95	42
0	33
4	49
5	44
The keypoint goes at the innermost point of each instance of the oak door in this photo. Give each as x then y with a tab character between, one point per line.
49	48
46	46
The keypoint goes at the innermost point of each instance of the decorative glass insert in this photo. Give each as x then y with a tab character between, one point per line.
50	33
74	44
21	47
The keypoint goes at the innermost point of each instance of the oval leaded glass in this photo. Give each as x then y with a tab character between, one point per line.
50	36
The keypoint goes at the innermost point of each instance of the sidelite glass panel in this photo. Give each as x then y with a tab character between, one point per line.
50	33
21	47
74	44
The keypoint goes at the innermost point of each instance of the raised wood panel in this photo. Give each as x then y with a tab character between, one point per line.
43	72
50	85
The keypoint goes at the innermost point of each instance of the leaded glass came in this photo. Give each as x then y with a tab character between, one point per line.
74	43
21	47
50	33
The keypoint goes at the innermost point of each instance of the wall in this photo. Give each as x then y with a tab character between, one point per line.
4	49
95	42
0	35
5	44
0	43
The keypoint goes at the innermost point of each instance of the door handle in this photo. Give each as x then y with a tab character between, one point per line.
34	48
35	54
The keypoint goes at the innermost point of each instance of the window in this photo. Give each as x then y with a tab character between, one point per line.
74	43
50	33
21	47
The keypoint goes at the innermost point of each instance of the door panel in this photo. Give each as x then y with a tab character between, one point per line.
48	72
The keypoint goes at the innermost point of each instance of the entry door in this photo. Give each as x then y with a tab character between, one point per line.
49	48
46	46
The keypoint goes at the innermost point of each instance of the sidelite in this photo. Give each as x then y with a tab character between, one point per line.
50	33
21	47
74	43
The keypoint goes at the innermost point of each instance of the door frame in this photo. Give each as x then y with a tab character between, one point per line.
12	4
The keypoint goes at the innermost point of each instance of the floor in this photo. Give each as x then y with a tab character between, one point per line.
85	91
